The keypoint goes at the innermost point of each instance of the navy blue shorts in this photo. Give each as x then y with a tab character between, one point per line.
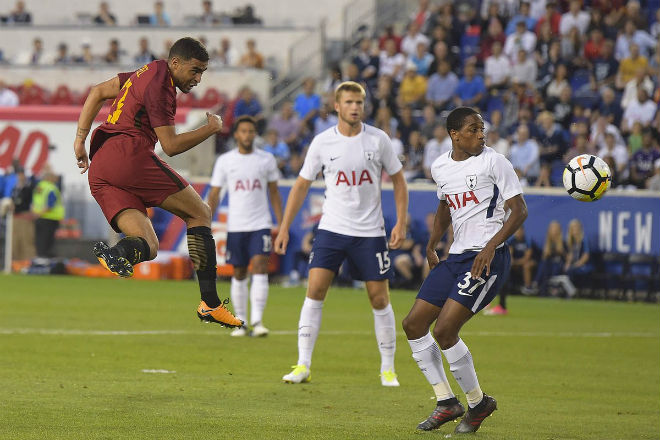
368	257
452	279
242	246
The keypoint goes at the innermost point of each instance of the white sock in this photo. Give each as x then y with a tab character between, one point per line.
462	367
384	324
308	329
239	298
258	297
426	353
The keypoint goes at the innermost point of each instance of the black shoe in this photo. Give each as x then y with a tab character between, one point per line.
442	414
475	416
120	266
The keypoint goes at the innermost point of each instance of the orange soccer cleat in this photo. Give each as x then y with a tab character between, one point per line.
220	315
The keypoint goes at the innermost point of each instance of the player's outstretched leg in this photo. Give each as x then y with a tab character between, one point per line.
121	258
201	247
475	416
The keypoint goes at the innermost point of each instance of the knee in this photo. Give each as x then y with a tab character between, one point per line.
445	336
413	328
379	302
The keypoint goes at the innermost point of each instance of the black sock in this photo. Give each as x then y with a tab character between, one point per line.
201	247
447	402
503	300
134	249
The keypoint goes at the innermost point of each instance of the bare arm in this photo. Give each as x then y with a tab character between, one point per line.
97	96
294	202
441	222
174	144
214	199
401	202
517	217
275	201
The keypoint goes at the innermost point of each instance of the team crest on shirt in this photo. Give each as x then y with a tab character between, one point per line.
471	181
369	155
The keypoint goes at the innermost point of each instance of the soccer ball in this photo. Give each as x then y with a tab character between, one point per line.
587	178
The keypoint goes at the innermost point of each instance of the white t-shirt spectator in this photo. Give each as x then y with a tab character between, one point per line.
434	149
388	65
497	69
409	43
524	72
568	21
515	42
639	112
8	98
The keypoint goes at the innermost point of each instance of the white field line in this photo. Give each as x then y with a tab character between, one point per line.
221	332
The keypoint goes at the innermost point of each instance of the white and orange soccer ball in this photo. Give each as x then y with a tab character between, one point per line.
587	178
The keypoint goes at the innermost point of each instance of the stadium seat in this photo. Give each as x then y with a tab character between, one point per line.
613	271
641	269
32	95
211	99
62	96
83	96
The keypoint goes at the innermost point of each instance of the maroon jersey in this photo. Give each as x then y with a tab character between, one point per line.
147	99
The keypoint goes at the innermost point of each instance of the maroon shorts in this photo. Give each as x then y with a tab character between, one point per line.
125	173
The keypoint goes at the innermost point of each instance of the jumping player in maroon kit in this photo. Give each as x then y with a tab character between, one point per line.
126	176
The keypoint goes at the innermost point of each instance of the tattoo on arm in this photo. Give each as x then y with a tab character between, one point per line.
82	133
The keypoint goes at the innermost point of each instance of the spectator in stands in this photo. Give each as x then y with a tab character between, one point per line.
640	80
36	56
578	263
413	88
630	36
522	15
547	68
524	69
412	38
252	58
413	167
248	104
279	149
552	141
115	54
389	34
441	53
571	48
384	96
159	16
8	98
497	69
598	131
208	17
23	232
552	259
562	108
421	16
523	261
543	43
391	62
610	107
307	104
287	125
520	39
439	144
407	260
366	60
422	59
605	66
144	56
655	27
471	88
558	83
641	110
407	124
86	56
246	16
619	154
580	146
630	65
62	56
525	156
225	56
326	119
441	87
575	17
428	123
494	34
48	208
19	15
551	16
104	16
653	183
594	45
498	143
643	161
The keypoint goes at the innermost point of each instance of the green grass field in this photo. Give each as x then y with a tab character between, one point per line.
73	351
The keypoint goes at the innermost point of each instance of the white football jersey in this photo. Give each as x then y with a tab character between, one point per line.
352	170
246	177
475	190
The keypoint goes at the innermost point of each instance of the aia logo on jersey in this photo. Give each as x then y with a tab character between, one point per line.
456	201
247	185
471	181
353	178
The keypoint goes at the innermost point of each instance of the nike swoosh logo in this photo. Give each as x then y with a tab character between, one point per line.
384	271
334	158
464	294
206	310
579	161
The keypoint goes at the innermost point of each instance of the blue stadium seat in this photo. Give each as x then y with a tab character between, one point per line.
641	269
613	271
578	79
